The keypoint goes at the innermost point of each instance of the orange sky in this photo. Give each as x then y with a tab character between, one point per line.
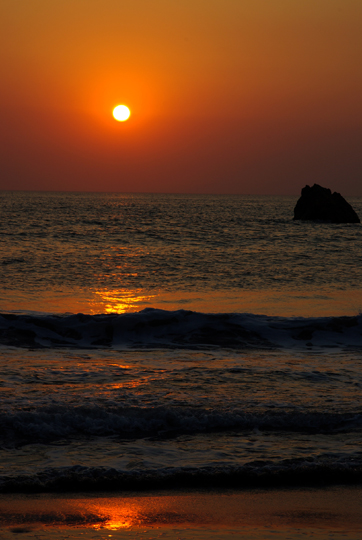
227	96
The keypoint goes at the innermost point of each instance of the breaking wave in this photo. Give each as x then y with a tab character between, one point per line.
319	470
153	328
61	422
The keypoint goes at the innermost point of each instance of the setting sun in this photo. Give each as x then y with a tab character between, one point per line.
121	113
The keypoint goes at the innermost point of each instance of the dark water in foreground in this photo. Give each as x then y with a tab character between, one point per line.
169	341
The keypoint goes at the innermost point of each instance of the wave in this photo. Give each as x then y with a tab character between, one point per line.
48	424
319	470
154	328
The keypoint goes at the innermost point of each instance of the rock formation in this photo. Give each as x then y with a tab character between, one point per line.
320	204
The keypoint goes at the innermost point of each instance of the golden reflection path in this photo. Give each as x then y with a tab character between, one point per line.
269	302
119	301
272	303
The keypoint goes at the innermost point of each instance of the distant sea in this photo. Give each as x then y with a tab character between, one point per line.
167	341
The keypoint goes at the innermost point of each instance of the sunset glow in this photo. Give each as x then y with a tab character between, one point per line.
180	269
246	97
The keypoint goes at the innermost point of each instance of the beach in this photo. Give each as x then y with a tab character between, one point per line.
333	513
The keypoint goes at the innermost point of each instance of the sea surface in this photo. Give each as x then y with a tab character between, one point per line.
171	341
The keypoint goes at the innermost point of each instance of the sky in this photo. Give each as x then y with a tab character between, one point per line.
226	96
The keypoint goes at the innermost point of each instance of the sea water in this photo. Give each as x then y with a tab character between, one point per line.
166	341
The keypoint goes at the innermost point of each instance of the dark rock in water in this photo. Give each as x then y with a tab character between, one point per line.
320	204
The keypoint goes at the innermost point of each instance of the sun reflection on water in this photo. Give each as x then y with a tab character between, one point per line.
119	301
114	524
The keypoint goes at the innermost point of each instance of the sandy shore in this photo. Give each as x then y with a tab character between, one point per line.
333	513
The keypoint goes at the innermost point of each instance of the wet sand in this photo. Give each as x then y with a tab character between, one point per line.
333	513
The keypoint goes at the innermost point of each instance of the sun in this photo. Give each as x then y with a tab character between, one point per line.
121	113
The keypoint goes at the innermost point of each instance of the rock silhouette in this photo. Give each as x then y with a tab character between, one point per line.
320	204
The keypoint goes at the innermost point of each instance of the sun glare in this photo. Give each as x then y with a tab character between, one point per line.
121	113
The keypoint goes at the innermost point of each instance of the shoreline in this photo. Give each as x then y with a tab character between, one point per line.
282	513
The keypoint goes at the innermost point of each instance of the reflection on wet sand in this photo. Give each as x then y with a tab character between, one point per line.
330	509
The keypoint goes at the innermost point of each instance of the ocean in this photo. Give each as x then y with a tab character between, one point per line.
152	342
